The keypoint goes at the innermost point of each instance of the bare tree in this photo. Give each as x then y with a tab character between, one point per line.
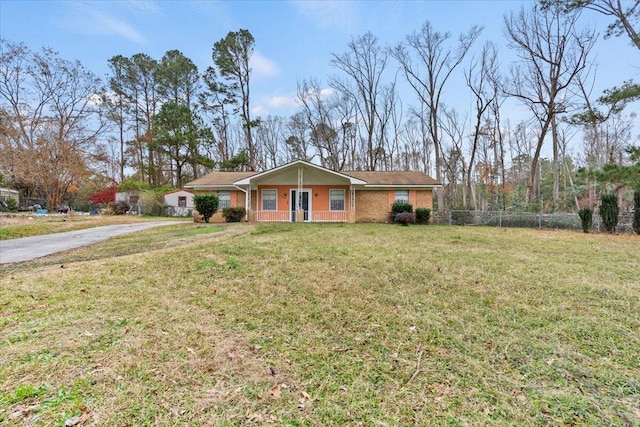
455	166
270	139
428	62
297	146
49	119
481	79
552	54
364	64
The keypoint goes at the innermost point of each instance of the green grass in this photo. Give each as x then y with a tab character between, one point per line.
14	226
320	325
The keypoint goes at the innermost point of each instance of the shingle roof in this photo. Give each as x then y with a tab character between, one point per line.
394	178
397	178
219	178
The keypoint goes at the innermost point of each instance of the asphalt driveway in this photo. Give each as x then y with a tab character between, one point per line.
29	248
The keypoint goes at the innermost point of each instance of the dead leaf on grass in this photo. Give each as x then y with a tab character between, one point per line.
275	391
22	412
176	411
78	421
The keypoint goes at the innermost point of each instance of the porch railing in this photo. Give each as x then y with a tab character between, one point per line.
316	216
330	216
273	216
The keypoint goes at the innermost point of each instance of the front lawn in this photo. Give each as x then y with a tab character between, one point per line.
325	325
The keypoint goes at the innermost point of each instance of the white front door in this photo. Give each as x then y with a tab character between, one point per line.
305	203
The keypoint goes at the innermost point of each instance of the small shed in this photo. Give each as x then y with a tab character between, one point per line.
7	193
180	202
131	198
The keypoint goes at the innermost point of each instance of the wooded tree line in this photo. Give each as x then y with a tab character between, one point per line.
164	122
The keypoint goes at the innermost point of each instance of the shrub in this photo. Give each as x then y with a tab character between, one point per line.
206	205
11	204
609	211
423	215
399	207
118	208
586	218
405	218
461	217
636	210
234	214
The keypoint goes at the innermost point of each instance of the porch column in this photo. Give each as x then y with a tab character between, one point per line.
352	204
299	210
247	203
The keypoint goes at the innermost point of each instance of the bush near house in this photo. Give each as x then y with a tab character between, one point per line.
399	207
206	205
118	208
10	205
234	213
423	215
405	218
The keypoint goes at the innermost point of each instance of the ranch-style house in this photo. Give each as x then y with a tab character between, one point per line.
301	191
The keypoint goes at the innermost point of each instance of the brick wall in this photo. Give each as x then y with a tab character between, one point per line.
424	199
375	205
371	206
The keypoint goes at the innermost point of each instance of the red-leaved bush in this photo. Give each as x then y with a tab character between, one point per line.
105	196
405	218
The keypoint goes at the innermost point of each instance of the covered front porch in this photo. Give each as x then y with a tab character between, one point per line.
300	192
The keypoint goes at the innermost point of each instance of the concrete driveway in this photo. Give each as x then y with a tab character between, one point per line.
29	248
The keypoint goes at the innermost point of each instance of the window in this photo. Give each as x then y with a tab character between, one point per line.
182	201
269	200
224	199
402	196
336	200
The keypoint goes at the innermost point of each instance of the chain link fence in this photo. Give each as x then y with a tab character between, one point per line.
554	221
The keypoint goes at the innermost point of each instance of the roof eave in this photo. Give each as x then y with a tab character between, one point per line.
403	185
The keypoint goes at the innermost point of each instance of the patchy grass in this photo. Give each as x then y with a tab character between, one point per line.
13	226
304	324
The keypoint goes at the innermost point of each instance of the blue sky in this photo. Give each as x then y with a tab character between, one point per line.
294	39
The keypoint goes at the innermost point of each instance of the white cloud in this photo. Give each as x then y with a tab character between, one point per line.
282	102
259	110
91	19
326	92
327	14
262	66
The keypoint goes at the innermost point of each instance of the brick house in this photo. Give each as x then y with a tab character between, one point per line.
301	191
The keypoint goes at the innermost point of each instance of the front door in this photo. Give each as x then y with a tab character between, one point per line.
304	201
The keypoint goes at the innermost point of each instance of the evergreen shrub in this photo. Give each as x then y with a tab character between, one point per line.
586	218
399	207
609	211
234	213
206	205
636	210
423	215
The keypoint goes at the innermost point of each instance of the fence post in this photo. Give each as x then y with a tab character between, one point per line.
449	216
500	219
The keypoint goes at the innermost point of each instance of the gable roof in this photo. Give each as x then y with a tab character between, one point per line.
177	191
373	179
306	165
